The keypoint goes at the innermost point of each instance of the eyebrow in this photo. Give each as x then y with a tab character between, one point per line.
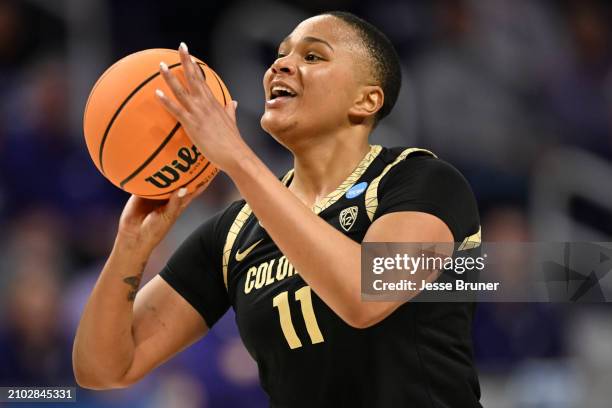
309	39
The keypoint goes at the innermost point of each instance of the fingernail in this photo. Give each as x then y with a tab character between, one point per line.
159	93
235	104
182	192
183	47
163	66
193	60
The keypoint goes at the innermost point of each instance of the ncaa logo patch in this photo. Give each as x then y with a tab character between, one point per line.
348	217
356	190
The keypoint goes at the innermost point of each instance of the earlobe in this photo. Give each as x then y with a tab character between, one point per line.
369	102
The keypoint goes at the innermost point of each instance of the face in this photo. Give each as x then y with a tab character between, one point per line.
315	80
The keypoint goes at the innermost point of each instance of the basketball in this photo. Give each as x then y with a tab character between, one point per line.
133	140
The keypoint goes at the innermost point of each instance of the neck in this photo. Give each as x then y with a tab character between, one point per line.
324	162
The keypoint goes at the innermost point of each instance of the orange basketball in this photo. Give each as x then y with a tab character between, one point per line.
133	140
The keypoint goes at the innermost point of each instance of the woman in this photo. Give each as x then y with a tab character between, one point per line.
316	343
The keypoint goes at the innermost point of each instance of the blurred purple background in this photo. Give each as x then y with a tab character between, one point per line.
515	93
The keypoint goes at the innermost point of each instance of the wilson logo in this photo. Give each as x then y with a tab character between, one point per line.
170	173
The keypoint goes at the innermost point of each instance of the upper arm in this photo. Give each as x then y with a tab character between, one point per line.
408	226
429	192
421	200
164	323
178	306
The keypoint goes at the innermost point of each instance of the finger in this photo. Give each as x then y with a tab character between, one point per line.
191	196
176	203
202	83
142	205
132	206
176	86
200	189
194	84
230	108
172	107
199	70
137	209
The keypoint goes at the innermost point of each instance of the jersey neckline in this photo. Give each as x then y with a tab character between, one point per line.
332	197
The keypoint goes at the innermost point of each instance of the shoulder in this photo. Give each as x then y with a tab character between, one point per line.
233	216
229	214
417	180
421	168
206	241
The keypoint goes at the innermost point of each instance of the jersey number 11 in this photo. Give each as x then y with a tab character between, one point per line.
281	301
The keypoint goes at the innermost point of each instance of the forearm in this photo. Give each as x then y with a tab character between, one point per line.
326	259
104	344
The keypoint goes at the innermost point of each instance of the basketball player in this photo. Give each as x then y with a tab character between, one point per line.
315	342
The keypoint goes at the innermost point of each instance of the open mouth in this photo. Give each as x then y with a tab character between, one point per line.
279	91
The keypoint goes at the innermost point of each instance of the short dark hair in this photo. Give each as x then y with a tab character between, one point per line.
386	64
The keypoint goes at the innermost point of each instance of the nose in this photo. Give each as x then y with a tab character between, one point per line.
283	65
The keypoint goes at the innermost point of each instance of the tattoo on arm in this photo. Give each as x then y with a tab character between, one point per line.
134	282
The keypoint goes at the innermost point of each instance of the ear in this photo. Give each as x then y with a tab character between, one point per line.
369	101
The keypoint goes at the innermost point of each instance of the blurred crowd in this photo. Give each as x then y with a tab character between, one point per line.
517	94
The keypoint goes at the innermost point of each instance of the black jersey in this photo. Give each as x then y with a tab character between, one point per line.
419	356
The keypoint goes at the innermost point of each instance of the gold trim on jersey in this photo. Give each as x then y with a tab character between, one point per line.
287	176
232	234
327	201
371	197
332	197
473	241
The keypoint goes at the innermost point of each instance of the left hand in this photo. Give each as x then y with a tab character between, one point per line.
210	126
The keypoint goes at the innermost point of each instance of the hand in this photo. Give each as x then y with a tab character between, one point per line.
145	222
210	126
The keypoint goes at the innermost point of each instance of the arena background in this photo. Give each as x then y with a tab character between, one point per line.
515	93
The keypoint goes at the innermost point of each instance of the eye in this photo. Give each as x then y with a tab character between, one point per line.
280	55
312	57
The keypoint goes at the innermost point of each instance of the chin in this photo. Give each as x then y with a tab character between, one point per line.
278	128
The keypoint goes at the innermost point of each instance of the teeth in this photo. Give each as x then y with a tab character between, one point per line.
279	88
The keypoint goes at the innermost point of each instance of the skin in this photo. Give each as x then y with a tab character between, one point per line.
118	342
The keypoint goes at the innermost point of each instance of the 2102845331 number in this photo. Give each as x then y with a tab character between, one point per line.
33	394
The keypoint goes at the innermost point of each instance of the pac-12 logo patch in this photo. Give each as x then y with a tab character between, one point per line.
356	190
348	217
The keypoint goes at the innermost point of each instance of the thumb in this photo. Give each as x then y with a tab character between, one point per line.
230	108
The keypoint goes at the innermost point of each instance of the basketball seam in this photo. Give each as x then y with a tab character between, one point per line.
152	156
104	74
118	111
220	87
163	144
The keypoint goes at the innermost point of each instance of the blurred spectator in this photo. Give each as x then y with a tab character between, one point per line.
42	162
27	30
508	334
460	103
466	112
35	348
579	107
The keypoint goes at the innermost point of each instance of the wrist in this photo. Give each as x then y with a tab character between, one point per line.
245	163
132	246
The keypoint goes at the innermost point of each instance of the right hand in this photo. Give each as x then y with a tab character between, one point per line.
145	222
